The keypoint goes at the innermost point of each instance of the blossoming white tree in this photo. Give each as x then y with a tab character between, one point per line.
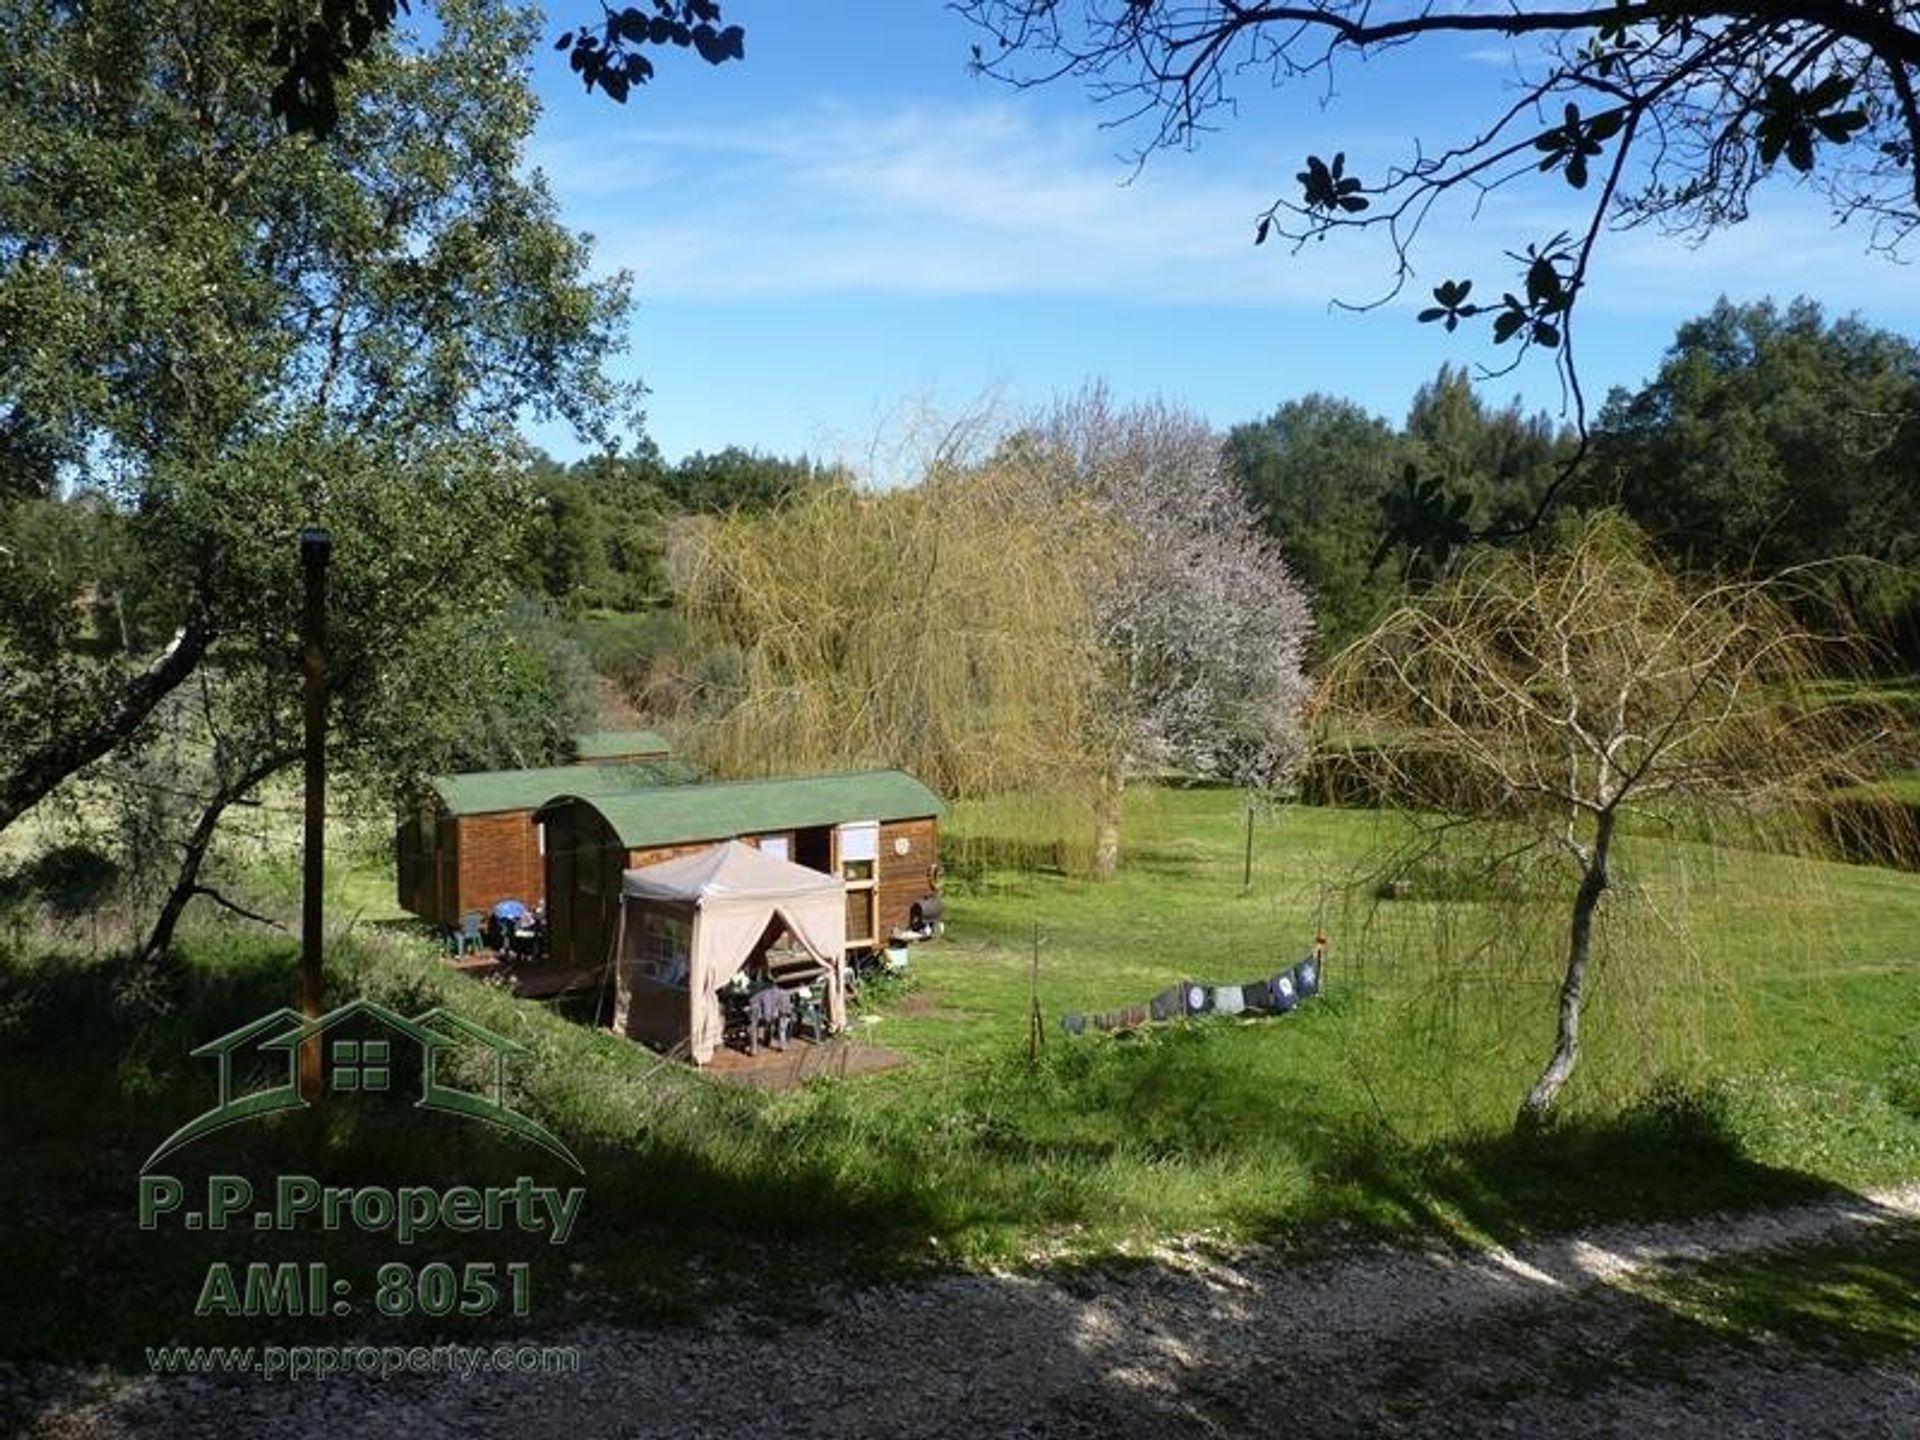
1200	626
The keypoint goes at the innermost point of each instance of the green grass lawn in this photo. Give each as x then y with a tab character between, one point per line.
1758	1042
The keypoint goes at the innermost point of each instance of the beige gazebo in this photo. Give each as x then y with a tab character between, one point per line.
689	925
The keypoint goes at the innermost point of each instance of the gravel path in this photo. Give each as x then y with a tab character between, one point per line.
1539	1340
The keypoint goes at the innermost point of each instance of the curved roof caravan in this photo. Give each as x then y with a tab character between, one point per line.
474	840
874	831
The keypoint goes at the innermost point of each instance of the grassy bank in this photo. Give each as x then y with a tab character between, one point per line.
1760	1047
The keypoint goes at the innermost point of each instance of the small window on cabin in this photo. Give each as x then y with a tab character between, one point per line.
860	840
778	846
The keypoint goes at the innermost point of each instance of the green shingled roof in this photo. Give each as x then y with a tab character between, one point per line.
677	814
612	744
488	792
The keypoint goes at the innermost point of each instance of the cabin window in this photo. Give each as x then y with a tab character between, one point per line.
860	840
778	846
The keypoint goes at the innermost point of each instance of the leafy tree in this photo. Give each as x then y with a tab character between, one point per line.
1316	472
1331	480
1651	112
1550	698
599	536
231	333
312	49
737	479
1773	438
1502	460
566	545
493	690
1472	474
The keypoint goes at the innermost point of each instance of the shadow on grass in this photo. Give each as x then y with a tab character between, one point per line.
711	1195
1854	1302
1190	1099
674	1221
1671	1156
1750	1328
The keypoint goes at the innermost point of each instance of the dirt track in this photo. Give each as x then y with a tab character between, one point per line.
1541	1340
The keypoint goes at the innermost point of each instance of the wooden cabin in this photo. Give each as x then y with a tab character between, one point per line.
474	840
877	831
606	747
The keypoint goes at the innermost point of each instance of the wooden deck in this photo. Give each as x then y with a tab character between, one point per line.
538	980
802	1060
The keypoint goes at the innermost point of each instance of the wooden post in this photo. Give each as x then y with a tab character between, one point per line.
1246	872
316	547
1036	1028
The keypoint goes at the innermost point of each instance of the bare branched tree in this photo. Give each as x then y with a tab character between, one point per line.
1662	112
1578	696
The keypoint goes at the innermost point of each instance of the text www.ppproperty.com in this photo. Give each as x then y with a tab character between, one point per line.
314	1362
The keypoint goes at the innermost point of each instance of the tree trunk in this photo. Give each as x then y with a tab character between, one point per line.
186	884
1538	1109
1106	831
28	782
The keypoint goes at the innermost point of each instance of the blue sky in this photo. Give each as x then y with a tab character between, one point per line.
849	229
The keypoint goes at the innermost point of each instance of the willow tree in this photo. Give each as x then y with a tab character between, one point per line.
943	628
1546	697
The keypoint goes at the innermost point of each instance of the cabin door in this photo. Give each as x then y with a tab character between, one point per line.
859	849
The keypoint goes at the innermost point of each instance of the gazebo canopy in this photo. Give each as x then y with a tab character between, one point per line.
731	871
735	893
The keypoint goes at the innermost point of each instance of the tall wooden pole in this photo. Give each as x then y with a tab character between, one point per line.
316	547
1246	872
1036	1031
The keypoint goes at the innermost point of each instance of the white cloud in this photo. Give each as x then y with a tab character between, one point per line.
957	200
986	199
1503	57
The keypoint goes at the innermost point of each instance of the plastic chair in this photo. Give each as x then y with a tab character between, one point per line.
467	937
810	1015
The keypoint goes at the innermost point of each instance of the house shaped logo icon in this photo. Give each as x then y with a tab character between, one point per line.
362	1065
